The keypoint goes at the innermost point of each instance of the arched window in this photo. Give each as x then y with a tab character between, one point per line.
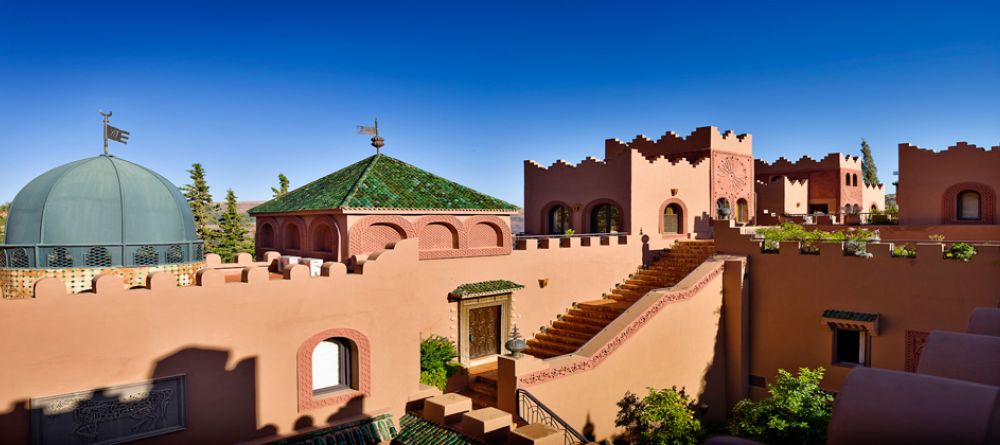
558	220
847	208
604	218
98	257
742	211
874	208
266	236
292	237
672	222
856	209
322	239
60	257
969	206
332	360
854	180
847	179
722	210
146	256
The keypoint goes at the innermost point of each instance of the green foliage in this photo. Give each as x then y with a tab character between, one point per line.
282	188
231	236
904	251
797	412
936	237
436	354
4	209
662	417
570	232
960	251
200	200
868	170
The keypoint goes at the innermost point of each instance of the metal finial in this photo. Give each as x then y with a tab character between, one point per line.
377	140
112	133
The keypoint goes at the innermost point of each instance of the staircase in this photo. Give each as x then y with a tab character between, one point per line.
584	320
482	388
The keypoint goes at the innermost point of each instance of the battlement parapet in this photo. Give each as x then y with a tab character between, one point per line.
570	241
560	163
959	147
781	181
831	161
699	143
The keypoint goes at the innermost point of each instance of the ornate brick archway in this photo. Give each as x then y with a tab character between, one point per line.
987	203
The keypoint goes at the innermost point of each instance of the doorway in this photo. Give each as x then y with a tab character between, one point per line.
483	326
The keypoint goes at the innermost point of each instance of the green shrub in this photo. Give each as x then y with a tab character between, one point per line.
570	232
436	354
797	412
662	417
904	251
960	251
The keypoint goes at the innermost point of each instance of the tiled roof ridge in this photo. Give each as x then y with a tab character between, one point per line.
360	180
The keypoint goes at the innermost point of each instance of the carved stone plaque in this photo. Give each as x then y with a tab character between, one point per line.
110	415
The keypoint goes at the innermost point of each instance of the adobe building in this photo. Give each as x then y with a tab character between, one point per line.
268	352
962	190
834	185
360	208
93	216
670	188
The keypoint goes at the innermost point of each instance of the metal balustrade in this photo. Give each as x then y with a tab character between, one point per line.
531	410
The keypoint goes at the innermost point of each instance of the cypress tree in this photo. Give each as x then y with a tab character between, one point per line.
231	236
868	169
200	200
282	189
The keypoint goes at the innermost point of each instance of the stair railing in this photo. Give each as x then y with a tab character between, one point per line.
532	410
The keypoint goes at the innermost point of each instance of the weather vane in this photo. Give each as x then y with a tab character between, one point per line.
377	140
115	134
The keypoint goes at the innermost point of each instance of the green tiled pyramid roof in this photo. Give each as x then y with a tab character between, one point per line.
849	315
365	431
484	288
416	431
382	182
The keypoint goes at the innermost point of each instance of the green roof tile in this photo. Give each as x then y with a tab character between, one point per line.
382	182
416	431
484	288
848	315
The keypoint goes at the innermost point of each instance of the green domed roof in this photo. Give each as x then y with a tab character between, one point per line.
100	201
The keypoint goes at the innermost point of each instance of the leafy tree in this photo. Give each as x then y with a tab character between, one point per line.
200	200
868	170
662	417
4	209
282	188
231	236
797	412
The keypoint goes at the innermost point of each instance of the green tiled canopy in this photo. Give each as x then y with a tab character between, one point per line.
382	182
484	288
850	316
416	431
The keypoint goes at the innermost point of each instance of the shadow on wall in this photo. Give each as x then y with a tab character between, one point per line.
703	226
220	406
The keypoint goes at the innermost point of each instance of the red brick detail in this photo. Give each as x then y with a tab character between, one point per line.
283	240
441	232
733	179
371	233
500	229
914	346
987	203
362	354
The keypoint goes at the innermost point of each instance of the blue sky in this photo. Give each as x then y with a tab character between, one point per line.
469	90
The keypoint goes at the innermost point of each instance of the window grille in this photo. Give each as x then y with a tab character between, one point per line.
98	257
60	257
3	258
175	254
146	256
19	258
199	252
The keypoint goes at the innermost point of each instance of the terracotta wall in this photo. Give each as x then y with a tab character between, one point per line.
929	181
653	188
789	291
668	338
826	177
874	195
577	187
238	342
782	196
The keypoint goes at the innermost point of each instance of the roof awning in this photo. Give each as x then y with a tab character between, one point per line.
484	289
866	321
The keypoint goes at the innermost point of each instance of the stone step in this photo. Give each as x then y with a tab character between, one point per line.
574	319
484	388
480	400
547	348
597	317
549	337
571	333
582	329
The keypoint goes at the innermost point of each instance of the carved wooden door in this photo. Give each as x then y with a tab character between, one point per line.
484	331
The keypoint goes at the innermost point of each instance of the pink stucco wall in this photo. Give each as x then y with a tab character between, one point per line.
789	292
929	182
827	179
781	196
239	342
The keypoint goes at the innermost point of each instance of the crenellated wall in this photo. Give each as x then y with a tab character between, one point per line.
790	290
929	183
835	181
779	196
238	331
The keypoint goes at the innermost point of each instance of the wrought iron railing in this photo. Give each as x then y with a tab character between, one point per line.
532	410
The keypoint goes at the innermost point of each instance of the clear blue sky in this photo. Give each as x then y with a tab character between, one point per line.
468	90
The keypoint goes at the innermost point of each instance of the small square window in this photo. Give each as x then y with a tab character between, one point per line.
850	347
